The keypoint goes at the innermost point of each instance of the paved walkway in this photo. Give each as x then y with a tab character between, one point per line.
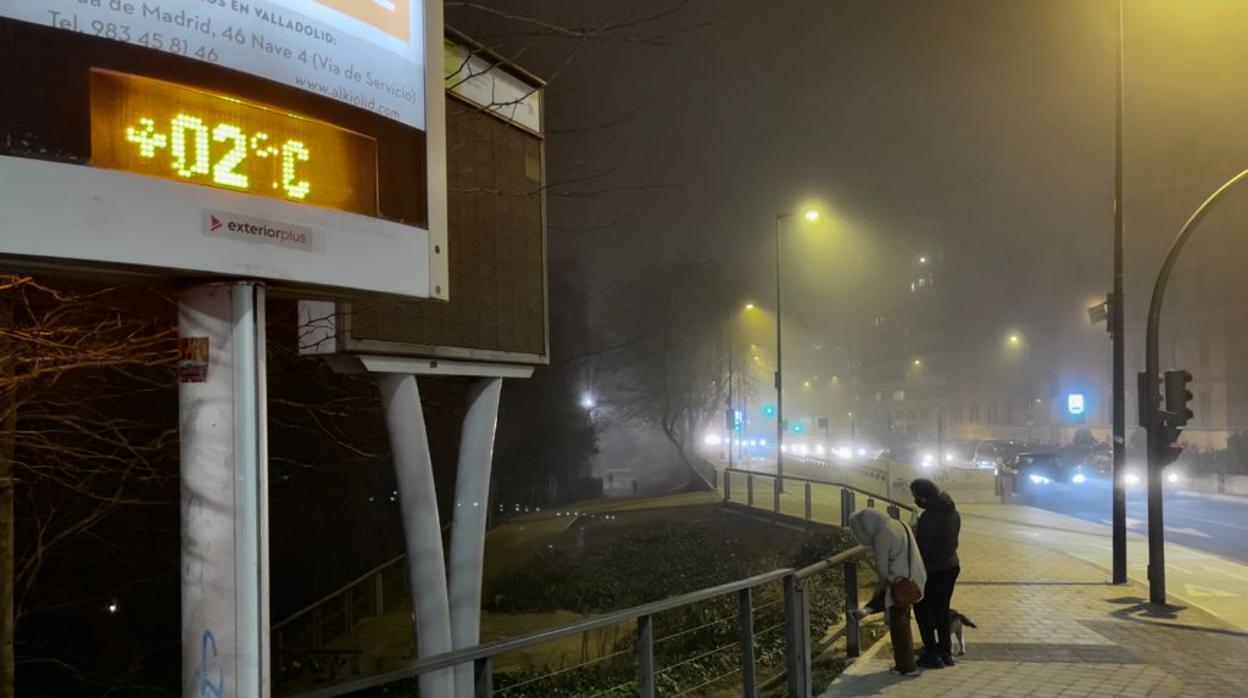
1194	578
1050	626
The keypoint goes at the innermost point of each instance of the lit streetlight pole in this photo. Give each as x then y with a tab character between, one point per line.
811	215
1118	335
731	414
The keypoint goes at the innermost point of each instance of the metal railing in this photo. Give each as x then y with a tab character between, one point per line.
299	642
808	485
797	586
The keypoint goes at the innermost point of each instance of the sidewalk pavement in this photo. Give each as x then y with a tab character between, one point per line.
1193	578
1050	626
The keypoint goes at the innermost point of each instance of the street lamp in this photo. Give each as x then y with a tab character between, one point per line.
1156	421
810	215
730	415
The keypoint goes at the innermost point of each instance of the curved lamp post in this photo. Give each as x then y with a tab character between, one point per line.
1151	419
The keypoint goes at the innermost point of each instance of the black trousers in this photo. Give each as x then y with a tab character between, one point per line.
932	613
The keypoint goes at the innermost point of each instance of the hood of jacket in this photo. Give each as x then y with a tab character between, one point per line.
942	503
896	552
867	524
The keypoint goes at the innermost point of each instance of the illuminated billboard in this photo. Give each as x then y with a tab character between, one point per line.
287	141
163	130
367	53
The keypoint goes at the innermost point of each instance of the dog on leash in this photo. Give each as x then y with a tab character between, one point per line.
958	624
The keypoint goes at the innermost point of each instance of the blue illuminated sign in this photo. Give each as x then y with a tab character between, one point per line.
1075	404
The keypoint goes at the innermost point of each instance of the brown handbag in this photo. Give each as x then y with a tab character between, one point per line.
905	591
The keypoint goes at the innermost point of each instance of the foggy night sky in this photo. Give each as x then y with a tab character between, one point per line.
982	128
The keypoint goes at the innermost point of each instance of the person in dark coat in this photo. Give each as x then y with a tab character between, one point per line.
937	536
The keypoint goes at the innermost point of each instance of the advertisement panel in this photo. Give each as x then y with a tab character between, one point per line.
366	53
300	125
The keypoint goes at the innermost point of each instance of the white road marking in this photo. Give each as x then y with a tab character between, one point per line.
1199	591
1187	532
1219	570
1210	521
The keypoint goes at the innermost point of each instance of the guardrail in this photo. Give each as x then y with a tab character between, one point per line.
797	585
869	471
299	641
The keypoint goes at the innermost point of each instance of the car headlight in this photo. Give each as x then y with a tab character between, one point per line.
1079	478
1131	479
1040	480
1173	478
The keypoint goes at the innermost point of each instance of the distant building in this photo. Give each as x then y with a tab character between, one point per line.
937	360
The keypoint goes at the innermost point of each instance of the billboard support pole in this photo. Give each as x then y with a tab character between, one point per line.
222	422
472	500
422	528
447	614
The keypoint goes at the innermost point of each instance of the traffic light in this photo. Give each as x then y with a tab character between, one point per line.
1178	396
1177	413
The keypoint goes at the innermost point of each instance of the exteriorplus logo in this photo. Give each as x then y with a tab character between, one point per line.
248	229
265	231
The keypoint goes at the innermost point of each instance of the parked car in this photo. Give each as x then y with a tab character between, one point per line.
902	454
987	456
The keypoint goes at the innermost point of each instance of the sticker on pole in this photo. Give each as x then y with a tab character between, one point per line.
249	229
193	359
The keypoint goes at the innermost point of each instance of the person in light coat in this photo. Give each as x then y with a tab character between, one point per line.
896	556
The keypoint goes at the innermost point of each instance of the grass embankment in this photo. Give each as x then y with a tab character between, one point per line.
551	568
632	557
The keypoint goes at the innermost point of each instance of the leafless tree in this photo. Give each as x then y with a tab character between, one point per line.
80	373
674	376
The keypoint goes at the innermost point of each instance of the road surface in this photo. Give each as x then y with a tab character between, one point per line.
1215	524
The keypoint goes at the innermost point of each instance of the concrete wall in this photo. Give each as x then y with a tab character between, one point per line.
1217	484
1207	439
964	485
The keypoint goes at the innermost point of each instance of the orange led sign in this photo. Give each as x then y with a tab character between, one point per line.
165	130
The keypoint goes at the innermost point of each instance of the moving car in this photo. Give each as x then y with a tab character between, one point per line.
1030	470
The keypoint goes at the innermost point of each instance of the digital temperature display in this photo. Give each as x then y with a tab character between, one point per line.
165	130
